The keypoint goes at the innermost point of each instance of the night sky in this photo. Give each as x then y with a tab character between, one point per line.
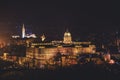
52	18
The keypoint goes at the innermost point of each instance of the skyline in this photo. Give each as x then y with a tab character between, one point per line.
79	17
57	39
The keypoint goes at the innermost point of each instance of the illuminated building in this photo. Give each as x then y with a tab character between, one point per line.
31	36
24	35
107	58
67	37
43	37
15	36
25	39
43	53
5	56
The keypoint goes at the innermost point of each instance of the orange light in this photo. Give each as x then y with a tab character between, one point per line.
111	61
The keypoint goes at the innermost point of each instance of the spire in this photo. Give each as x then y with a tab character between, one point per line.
23	31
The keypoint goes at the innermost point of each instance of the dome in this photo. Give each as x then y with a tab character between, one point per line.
67	37
67	34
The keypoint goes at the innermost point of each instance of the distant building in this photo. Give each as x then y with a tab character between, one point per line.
45	52
24	34
67	38
25	39
43	37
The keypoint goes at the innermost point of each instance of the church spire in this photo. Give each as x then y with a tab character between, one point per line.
23	31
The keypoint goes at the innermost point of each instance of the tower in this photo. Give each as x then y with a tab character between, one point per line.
23	31
43	37
67	37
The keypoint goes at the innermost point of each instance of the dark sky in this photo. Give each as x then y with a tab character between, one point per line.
53	18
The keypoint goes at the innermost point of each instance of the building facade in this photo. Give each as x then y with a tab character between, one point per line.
43	53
